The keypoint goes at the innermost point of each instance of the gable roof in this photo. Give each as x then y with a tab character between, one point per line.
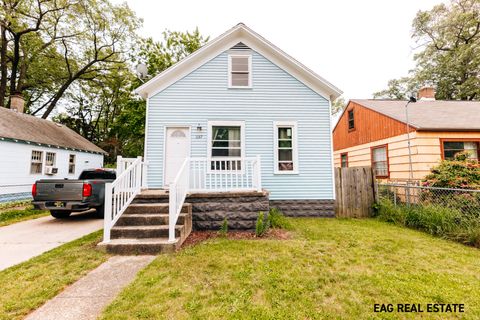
247	37
27	128
430	115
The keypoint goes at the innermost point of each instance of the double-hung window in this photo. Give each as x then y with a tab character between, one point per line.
240	70
351	120
226	145
285	147
380	161
36	162
50	159
71	164
344	160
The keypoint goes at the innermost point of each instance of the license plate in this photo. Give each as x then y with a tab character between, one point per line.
59	204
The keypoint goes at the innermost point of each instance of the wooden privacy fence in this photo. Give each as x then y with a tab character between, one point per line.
355	192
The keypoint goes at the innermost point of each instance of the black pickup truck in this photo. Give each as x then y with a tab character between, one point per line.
62	197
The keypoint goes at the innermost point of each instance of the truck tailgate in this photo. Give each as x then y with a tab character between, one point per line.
59	190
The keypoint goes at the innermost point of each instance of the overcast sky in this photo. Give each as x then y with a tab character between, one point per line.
356	45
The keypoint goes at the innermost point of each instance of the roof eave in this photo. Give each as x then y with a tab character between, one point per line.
239	33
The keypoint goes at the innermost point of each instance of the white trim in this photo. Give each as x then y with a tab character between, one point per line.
294	126
145	145
229	123
183	126
240	54
239	33
332	160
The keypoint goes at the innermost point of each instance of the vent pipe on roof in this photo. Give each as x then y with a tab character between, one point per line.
426	94
17	103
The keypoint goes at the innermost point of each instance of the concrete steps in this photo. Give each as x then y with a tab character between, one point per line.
143	229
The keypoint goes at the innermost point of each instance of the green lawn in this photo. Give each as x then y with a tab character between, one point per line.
16	215
331	269
28	285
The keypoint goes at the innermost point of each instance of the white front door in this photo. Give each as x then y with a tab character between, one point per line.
177	149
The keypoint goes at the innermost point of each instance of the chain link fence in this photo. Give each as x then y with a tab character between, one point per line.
15	193
465	201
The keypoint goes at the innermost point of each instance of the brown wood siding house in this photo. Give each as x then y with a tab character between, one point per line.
374	132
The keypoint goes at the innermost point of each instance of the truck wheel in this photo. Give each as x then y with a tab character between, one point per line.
60	214
100	212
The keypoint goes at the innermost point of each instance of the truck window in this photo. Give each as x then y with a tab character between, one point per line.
100	174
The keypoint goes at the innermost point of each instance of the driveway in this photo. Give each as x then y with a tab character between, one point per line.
24	240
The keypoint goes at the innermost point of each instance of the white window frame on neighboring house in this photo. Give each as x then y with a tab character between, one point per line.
294	126
52	160
72	164
36	160
212	124
240	55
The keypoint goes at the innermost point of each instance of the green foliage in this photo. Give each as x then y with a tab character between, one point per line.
16	215
224	228
262	225
449	35
277	220
175	46
458	173
338	105
445	222
12	204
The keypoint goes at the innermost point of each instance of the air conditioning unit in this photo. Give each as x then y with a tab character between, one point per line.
51	170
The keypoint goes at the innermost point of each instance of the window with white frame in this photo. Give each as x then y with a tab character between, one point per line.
36	162
240	70
226	144
50	159
286	147
71	164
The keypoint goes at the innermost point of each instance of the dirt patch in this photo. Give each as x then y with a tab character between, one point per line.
197	237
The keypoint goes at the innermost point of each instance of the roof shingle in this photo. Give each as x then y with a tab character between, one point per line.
20	126
430	115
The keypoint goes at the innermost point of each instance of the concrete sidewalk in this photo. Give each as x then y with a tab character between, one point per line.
24	240
86	298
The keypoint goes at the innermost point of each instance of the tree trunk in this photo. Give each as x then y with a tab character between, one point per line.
3	66
15	63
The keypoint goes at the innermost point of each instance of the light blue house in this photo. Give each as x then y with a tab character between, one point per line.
240	115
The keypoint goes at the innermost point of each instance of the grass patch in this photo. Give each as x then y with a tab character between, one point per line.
448	223
16	215
26	286
330	269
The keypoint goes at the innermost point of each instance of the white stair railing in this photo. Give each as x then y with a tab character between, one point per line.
178	191
120	193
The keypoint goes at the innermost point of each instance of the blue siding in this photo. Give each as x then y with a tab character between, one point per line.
204	96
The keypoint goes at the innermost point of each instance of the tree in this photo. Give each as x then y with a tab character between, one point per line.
338	105
52	44
105	110
449	36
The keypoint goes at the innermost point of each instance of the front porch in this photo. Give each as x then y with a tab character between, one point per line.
204	192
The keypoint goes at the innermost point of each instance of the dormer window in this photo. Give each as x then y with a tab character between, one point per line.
240	70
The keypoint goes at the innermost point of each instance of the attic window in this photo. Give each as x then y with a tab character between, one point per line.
351	120
239	73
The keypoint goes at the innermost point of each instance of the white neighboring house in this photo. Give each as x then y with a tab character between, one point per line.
32	148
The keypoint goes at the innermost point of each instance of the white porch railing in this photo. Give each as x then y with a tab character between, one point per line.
178	190
211	175
225	174
195	175
120	193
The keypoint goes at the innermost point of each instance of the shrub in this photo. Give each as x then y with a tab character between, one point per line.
223	228
276	219
460	173
262	225
445	222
